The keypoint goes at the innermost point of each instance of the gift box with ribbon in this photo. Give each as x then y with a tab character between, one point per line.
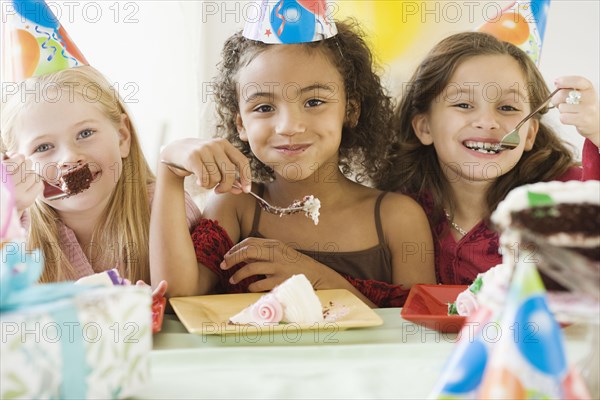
67	341
62	340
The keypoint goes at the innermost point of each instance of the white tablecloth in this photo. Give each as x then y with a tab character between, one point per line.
395	360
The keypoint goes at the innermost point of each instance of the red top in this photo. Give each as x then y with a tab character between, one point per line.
458	263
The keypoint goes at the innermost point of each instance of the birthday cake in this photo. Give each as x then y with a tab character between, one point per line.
76	179
489	288
293	301
564	214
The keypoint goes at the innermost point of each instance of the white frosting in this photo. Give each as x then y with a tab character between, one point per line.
571	192
311	207
466	303
298	299
492	293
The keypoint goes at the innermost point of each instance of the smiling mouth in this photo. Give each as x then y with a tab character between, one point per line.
294	147
482	147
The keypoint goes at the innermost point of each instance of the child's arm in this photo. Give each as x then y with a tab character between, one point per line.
172	256
172	253
408	235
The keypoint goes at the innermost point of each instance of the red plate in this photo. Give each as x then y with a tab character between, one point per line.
427	305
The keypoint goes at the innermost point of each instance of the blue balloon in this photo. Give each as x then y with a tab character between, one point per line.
538	336
539	9
469	369
298	22
38	12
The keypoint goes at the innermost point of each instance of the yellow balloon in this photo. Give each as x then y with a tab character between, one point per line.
392	25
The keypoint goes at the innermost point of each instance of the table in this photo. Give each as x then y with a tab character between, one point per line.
395	360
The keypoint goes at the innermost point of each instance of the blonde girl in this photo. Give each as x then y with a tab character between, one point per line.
76	116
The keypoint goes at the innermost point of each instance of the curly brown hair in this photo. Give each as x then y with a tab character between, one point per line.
417	170
364	146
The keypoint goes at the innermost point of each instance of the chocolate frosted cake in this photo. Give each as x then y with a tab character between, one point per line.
557	226
566	214
76	179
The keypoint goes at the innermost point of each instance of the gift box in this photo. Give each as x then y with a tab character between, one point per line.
67	341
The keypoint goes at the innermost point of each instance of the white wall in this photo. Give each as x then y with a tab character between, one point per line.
162	55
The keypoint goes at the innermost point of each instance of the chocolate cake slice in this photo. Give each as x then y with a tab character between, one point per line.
548	218
566	214
76	179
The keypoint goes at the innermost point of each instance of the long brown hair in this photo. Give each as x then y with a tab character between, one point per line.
124	230
364	144
417	170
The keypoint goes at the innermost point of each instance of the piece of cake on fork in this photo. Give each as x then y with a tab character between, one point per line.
76	179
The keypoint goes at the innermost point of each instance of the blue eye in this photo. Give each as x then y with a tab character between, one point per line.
42	148
86	133
314	102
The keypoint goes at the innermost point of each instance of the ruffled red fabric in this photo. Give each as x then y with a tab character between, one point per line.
381	293
212	242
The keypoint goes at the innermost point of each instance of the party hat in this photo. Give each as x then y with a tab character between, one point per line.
518	354
523	24
34	42
463	372
289	21
528	360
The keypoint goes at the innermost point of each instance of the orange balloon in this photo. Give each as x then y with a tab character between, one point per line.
26	55
510	27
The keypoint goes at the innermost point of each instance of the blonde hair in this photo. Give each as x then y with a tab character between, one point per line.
126	219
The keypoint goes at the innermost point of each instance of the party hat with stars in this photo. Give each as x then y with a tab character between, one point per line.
289	21
34	42
523	24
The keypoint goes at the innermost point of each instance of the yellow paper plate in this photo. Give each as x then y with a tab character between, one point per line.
209	315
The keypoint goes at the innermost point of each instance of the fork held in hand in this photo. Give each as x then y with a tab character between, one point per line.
51	192
265	205
512	139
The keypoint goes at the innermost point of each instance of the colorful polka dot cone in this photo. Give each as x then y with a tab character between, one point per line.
521	23
514	353
289	21
34	42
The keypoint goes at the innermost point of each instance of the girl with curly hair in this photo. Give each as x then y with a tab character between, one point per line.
470	91
299	119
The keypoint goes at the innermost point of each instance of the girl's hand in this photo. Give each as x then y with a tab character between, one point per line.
215	162
585	116
28	184
277	262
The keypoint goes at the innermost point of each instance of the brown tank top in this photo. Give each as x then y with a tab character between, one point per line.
374	263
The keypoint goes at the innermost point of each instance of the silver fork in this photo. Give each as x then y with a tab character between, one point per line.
265	205
511	139
51	192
